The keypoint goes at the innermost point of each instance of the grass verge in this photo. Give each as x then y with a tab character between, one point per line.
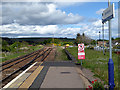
98	63
60	54
12	55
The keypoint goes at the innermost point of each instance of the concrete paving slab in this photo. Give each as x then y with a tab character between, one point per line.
58	63
27	83
39	79
18	82
62	77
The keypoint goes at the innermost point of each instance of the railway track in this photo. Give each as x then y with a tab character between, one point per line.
13	67
13	60
18	60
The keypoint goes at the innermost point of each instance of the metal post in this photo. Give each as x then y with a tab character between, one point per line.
53	39
99	35
99	40
103	38
110	63
81	62
96	42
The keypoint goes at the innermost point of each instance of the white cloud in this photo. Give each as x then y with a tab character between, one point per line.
46	14
97	23
99	12
19	29
37	14
58	1
91	30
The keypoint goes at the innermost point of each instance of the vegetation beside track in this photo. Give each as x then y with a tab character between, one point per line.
60	54
20	52
98	63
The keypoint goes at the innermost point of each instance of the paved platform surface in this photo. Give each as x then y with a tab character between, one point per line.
50	74
62	77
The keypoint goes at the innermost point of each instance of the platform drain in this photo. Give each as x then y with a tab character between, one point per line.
65	72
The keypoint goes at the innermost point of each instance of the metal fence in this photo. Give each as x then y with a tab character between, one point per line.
106	49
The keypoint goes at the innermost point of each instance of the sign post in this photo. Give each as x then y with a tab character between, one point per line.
107	15
81	53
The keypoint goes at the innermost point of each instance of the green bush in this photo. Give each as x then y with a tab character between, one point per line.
91	47
70	43
116	47
5	46
14	47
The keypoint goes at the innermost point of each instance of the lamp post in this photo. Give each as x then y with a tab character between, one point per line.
103	38
99	40
99	35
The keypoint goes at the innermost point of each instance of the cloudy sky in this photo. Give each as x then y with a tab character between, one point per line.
58	19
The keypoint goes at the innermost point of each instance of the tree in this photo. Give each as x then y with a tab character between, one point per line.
83	34
49	40
112	38
57	41
93	42
23	44
5	46
45	42
78	39
82	39
15	46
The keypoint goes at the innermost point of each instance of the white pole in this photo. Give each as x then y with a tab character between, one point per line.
110	41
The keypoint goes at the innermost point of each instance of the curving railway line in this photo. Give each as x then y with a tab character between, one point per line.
12	68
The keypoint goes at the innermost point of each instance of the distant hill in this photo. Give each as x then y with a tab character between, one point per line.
35	39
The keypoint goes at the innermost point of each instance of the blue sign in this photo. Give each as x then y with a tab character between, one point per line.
108	13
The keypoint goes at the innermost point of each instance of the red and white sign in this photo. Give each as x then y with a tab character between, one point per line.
81	53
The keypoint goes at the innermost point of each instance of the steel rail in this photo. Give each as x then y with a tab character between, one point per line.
26	65
20	60
12	60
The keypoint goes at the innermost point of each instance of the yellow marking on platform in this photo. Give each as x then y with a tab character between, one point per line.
19	81
28	82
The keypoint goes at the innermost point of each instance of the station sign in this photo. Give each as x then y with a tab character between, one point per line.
81	53
108	14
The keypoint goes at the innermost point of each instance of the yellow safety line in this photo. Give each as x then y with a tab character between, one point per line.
28	82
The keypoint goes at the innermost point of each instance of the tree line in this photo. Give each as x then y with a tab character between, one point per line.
17	44
84	39
12	47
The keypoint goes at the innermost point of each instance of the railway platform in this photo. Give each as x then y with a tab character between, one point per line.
49	74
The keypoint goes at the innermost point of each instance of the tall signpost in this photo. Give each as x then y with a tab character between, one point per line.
107	15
